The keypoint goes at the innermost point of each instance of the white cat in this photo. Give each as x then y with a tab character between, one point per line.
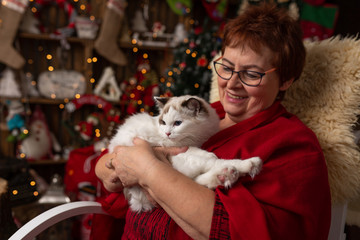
183	121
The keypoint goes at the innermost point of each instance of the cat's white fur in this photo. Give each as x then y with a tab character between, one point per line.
183	121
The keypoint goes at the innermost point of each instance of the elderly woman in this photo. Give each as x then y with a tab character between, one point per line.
263	54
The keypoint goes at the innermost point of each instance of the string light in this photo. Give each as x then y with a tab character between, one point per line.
97	133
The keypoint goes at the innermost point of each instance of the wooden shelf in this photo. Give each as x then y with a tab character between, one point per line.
84	41
47	162
35	100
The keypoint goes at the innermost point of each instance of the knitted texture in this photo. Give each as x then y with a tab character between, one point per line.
327	99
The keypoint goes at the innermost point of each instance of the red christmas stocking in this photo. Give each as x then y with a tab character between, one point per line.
106	43
11	13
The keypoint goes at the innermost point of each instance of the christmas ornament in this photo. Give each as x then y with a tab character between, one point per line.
8	84
158	28
64	5
60	84
81	183
87	130
11	13
318	21
180	7
30	24
216	9
15	121
107	86
41	143
55	192
29	85
106	43
138	23
86	27
88	99
22	185
180	33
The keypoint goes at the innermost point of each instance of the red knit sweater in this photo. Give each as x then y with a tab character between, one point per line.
289	199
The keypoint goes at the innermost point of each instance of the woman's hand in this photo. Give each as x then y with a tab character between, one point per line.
132	164
107	173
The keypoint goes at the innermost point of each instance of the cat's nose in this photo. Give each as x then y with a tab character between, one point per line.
168	134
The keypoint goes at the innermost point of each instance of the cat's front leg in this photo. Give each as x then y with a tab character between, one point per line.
227	172
138	201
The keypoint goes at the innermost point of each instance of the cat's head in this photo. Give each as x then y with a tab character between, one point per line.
186	120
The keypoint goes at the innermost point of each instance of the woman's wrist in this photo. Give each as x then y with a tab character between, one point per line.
151	172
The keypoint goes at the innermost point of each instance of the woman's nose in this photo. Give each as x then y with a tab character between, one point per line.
234	81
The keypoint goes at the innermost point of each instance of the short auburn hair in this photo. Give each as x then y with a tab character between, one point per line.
270	26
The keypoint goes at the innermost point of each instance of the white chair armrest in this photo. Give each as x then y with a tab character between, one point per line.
338	217
53	216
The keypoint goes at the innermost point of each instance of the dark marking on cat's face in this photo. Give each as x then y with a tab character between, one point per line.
194	105
161	101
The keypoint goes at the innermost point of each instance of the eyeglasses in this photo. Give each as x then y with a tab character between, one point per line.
247	77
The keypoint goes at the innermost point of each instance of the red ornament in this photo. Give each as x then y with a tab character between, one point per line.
202	61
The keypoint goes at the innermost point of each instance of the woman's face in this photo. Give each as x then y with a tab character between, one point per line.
241	101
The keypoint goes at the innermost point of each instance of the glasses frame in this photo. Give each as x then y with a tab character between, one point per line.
238	73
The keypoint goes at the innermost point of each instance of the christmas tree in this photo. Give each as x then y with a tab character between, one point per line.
190	72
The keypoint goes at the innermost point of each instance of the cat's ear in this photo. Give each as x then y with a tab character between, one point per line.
193	104
161	101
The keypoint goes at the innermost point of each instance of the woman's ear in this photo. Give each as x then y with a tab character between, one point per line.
285	85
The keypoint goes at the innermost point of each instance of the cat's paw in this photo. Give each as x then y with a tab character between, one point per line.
256	164
137	206
228	176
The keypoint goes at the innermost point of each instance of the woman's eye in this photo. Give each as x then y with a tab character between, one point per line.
226	69
177	123
162	122
251	75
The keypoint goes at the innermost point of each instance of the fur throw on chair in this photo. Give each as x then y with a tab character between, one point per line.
327	99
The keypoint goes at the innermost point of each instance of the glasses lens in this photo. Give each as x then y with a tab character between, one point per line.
250	78
223	71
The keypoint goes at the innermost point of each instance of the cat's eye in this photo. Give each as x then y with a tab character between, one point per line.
162	122
177	123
